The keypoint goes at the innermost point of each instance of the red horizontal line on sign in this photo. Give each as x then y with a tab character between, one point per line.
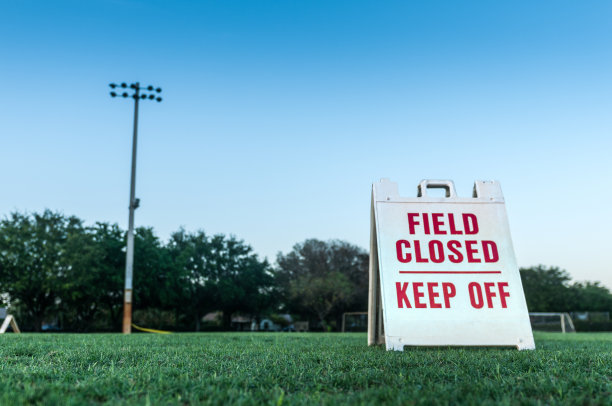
450	272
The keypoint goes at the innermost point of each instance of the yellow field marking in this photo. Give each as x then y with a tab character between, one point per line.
150	330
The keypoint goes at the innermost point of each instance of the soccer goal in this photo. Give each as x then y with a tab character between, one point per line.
9	320
354	321
552	322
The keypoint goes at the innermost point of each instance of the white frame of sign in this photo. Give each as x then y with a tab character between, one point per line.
448	307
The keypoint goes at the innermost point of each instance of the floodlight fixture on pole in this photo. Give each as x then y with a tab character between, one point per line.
124	90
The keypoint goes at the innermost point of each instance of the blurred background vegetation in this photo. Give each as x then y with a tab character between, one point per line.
56	273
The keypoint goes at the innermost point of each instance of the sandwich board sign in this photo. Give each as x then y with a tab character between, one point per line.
443	270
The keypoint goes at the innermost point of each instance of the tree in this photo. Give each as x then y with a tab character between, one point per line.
94	276
195	295
549	290
111	242
32	261
546	289
591	296
323	294
52	266
153	272
239	280
218	273
323	279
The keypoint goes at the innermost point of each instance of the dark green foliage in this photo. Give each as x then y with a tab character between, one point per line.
321	280
154	273
239	280
111	262
549	290
546	289
54	269
220	273
297	369
591	296
93	283
194	294
34	261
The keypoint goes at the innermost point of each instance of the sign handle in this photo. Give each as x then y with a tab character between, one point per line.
449	185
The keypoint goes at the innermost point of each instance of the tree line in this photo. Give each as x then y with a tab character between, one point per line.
548	289
54	268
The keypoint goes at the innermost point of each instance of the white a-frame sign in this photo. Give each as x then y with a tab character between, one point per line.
443	271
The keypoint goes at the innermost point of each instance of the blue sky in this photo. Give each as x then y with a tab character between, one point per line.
278	115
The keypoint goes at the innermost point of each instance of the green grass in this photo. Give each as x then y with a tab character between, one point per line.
292	368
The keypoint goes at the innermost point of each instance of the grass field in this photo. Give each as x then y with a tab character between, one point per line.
294	368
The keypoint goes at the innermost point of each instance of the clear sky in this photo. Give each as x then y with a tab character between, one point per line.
278	115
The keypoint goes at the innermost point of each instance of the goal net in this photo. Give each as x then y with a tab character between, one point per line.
561	322
354	321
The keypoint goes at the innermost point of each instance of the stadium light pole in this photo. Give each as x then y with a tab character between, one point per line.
135	90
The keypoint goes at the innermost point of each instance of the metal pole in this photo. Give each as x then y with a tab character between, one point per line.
129	256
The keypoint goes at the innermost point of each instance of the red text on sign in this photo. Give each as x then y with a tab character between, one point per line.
443	223
431	295
455	251
487	293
